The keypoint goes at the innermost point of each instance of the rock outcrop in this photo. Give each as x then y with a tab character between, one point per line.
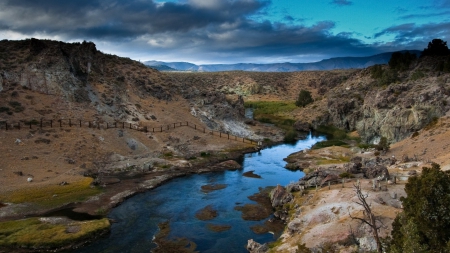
254	247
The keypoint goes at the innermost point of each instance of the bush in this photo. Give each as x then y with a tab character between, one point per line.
290	136
376	72
304	98
400	61
423	224
417	75
346	175
383	145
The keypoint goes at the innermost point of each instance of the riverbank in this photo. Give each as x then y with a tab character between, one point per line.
112	195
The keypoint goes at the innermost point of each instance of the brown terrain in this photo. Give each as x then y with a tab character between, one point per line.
94	168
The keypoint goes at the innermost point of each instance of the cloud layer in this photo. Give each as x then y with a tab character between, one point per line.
209	31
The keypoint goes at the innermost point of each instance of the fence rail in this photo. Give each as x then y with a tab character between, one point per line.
64	123
376	185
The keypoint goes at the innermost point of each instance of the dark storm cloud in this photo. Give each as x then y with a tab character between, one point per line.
213	30
98	19
416	36
341	2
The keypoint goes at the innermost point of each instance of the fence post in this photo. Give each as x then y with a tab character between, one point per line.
329	185
153	129
107	126
187	123
30	124
395	179
174	125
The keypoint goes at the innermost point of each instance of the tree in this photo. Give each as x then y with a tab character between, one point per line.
383	145
304	98
369	217
435	48
423	225
401	61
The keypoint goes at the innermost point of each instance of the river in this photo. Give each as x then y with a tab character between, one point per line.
178	200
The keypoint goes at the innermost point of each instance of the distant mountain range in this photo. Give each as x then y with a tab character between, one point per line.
328	64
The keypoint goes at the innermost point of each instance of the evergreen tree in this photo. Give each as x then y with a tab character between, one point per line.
424	224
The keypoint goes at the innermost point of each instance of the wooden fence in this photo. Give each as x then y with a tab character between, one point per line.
69	123
376	185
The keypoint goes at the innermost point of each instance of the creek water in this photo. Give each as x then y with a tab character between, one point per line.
178	200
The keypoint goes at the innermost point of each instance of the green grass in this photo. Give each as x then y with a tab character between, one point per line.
329	143
274	112
53	195
32	233
270	107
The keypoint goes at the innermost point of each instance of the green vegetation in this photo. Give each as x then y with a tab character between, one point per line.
33	233
273	112
270	107
329	143
17	106
401	61
423	224
346	175
334	135
383	145
304	98
417	75
4	109
436	47
53	195
432	123
382	76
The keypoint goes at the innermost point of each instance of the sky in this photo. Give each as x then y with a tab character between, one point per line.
231	31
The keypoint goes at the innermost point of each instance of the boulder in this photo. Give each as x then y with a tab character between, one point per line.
254	247
379	172
279	196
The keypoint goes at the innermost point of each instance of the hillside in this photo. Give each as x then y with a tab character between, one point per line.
109	150
327	64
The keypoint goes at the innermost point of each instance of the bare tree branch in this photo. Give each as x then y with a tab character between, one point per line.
369	218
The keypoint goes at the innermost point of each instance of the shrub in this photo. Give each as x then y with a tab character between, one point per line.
376	71
423	224
205	154
401	61
415	134
4	109
304	98
290	136
346	175
383	145
417	75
